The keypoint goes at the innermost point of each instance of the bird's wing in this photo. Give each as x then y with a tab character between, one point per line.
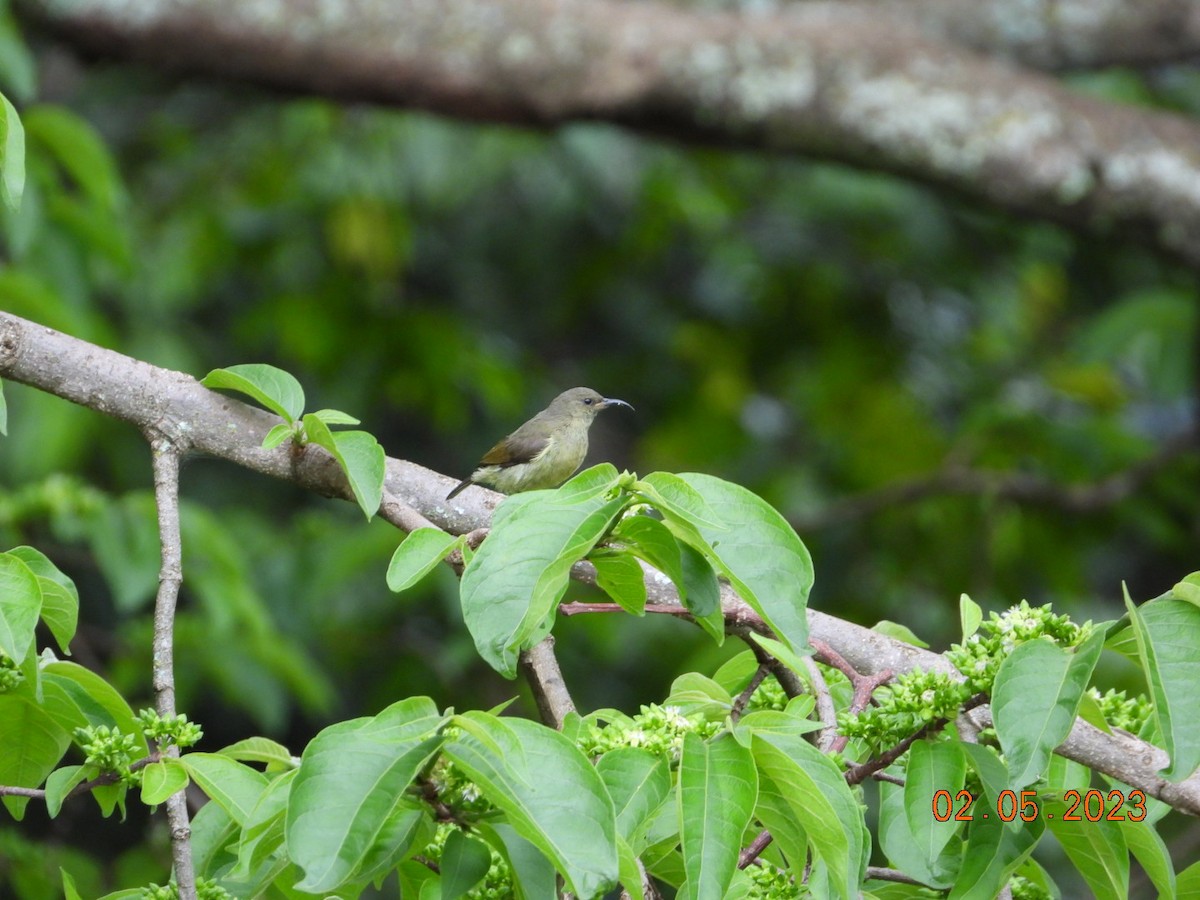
515	449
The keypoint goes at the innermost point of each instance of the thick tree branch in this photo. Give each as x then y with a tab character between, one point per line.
849	83
171	402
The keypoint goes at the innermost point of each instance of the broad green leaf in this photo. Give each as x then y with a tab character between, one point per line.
990	768
1168	639
162	779
718	788
533	873
20	606
621	577
261	750
679	501
1097	849
32	746
970	616
60	598
694	693
77	147
360	457
1152	853
820	802
417	556
1187	886
787	835
932	766
701	593
277	390
760	554
1188	589
993	852
901	846
1035	699
639	782
464	863
899	632
12	170
335	417
651	540
630	871
77	697
515	580
410	825
352	776
263	831
551	793
233	786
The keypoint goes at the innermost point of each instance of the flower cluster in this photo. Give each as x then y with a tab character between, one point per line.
175	729
769	883
10	674
1129	713
659	729
912	701
109	750
206	889
979	657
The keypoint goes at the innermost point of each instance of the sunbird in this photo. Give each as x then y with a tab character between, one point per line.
546	450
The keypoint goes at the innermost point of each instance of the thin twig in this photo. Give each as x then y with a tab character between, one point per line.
879	873
827	737
754	848
166	497
102	780
739	704
540	666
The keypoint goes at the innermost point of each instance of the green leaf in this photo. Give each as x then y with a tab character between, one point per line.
465	861
651	540
718	787
77	697
335	417
932	767
365	465
1188	589
277	435
757	550
418	555
77	147
261	750
639	782
263	831
694	693
60	598
784	654
903	849
701	593
12	170
621	577
533	873
1097	849
352	776
32	746
162	779
513	583
993	852
20	606
819	801
1152	853
277	390
1188	883
1035	699
898	632
231	785
60	783
551	793
969	615
1168	640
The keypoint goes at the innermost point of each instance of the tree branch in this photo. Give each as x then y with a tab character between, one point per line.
854	83
148	396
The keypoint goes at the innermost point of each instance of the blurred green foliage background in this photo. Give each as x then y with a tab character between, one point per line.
814	333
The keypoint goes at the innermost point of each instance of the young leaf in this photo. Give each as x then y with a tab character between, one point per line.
1097	849
335	417
162	779
277	435
12	167
417	556
359	455
1034	701
903	849
513	582
1168	640
552	795
993	852
899	632
718	787
20	606
969	615
60	783
351	778
264	829
620	576
261	750
234	787
277	390
464	863
819	801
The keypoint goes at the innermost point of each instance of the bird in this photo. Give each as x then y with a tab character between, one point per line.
546	450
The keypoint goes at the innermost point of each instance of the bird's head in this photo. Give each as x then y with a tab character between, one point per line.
583	403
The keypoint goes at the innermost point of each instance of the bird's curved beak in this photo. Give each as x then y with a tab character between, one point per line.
613	401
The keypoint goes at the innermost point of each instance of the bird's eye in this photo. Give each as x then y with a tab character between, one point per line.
588	400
